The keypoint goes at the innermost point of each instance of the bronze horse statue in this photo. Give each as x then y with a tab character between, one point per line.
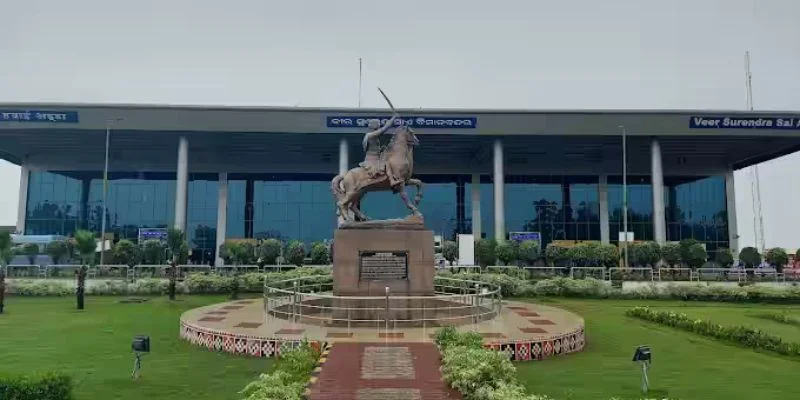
398	158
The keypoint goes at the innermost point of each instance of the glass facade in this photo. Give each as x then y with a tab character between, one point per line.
300	206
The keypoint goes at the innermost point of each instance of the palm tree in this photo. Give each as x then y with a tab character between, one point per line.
5	258
176	240
86	244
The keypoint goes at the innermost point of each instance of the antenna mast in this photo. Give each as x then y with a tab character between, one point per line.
755	181
359	81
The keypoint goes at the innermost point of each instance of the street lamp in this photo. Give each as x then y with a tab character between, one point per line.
109	122
625	191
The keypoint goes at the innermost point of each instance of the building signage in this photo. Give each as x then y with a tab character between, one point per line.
350	121
382	265
523	236
723	122
39	116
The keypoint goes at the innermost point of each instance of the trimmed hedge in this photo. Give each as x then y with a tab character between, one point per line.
753	338
289	376
780	317
52	386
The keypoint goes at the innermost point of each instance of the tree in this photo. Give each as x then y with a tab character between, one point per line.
506	251
485	252
86	244
685	246
31	250
296	253
608	255
176	242
777	257
555	254
723	257
671	254
696	256
528	252
127	253
320	254
57	250
268	251
750	257
450	251
153	252
646	253
5	258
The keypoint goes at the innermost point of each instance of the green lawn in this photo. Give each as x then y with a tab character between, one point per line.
93	346
685	365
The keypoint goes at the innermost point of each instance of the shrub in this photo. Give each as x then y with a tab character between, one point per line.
777	257
780	317
289	377
268	251
469	369
57	250
750	257
320	254
506	251
153	252
723	257
645	253
752	338
529	251
671	253
31	250
696	256
556	255
52	386
296	253
684	246
485	252
450	251
608	255
448	337
127	253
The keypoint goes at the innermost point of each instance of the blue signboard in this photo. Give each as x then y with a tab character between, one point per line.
723	122
39	116
523	236
354	121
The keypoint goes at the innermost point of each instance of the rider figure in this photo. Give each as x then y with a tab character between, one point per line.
374	162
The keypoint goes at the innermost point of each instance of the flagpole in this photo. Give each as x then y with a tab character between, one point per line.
105	194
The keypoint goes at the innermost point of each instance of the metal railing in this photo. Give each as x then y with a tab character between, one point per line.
309	299
625	274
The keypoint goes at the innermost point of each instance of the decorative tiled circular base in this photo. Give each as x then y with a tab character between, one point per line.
525	331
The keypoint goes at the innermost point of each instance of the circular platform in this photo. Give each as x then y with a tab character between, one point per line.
526	331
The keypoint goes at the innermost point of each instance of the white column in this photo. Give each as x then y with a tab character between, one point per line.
602	195
181	183
730	197
22	207
659	217
344	161
476	205
222	214
499	193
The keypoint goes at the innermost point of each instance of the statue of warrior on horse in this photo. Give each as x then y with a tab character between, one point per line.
384	168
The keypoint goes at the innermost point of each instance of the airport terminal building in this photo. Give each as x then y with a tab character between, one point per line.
247	172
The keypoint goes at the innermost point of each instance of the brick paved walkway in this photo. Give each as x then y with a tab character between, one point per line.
382	371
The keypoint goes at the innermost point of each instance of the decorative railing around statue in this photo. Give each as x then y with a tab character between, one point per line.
310	300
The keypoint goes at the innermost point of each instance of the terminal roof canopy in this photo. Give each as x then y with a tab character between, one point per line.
267	139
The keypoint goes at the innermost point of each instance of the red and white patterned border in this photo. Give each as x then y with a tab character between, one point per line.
256	346
253	346
540	348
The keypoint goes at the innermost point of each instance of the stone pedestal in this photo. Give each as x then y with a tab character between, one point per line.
357	262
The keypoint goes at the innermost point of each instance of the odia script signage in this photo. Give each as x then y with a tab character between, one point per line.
382	265
360	121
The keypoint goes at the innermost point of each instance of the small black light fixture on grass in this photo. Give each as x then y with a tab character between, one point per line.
140	346
643	356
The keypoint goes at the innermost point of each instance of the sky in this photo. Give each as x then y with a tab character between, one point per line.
528	54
